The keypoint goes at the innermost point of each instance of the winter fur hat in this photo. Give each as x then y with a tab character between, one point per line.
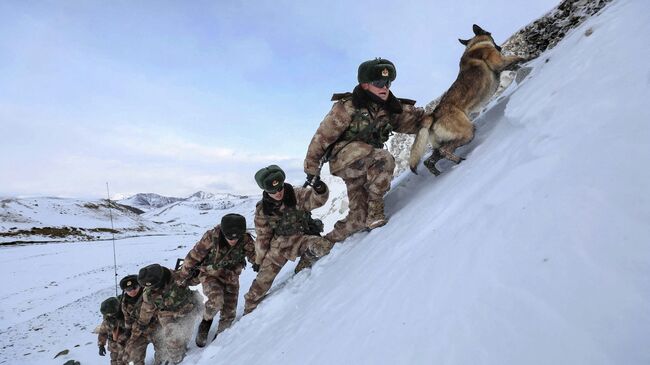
270	178
110	306
129	282
376	69
233	225
153	275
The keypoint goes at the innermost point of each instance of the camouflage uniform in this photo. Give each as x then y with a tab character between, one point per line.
175	307
137	352
355	131
113	330
280	239
219	266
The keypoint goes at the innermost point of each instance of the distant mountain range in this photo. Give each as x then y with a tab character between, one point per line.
148	201
51	219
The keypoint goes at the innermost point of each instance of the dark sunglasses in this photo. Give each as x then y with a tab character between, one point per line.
233	236
381	83
276	190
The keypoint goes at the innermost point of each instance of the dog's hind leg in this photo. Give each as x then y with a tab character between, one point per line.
430	162
448	149
451	156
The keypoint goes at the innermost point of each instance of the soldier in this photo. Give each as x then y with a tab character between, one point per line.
285	229
218	259
173	305
131	304
112	330
351	138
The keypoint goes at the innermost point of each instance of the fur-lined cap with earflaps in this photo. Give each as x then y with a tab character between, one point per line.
376	69
110	306
152	275
270	178
233	225
129	282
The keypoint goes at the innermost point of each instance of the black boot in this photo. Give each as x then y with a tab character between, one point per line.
202	334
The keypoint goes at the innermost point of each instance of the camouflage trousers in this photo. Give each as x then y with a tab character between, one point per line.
175	332
222	297
366	179
116	350
136	352
272	264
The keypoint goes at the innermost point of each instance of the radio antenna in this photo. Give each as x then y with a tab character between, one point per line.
110	211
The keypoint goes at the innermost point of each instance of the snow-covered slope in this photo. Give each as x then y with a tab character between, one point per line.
535	250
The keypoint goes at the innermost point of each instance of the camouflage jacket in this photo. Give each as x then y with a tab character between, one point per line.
172	300
131	310
113	330
269	210
213	256
343	127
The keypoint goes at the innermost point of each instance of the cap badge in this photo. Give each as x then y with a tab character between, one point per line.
275	183
385	72
128	283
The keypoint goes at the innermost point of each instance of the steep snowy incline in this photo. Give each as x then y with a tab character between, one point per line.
536	250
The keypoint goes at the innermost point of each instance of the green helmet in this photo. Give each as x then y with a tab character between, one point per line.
376	69
110	306
270	178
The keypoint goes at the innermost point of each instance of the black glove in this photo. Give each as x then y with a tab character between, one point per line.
319	186
102	351
309	181
256	267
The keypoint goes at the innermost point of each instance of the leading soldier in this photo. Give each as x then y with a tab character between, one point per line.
351	138
218	259
285	229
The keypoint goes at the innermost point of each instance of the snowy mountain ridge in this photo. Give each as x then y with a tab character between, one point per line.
148	201
52	219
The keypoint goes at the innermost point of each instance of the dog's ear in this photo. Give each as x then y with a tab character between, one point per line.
479	31
463	41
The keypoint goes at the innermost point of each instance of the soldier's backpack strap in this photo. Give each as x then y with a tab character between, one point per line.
406	101
341	96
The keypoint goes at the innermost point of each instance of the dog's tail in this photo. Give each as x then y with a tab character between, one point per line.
420	143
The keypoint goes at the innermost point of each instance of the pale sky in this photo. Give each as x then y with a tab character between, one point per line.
175	97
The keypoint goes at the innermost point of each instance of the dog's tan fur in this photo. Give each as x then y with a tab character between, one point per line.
478	79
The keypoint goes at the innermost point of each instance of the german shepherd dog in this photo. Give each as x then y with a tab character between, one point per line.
478	79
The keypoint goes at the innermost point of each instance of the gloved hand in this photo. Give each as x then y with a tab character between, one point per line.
309	180
319	186
256	267
102	351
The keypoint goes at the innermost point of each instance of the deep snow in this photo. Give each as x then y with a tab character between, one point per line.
535	250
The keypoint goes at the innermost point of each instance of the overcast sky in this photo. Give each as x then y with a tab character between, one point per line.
176	97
